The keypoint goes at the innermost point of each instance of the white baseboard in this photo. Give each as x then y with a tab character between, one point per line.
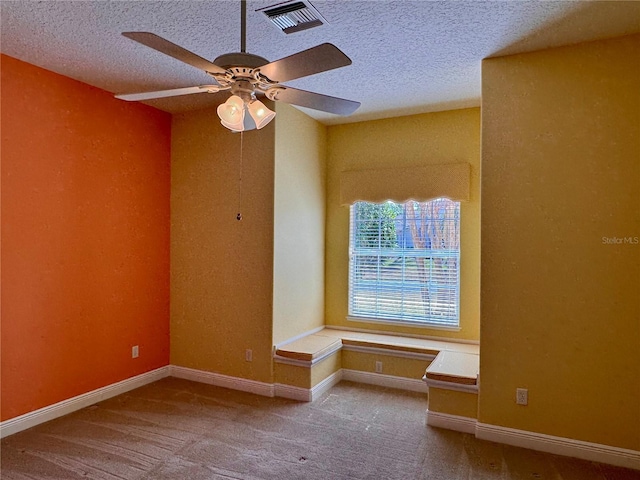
326	384
595	452
307	394
219	380
299	394
451	422
31	419
390	381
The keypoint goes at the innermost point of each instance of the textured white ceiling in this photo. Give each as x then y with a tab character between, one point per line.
409	56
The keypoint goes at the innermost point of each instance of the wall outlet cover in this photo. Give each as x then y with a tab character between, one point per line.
522	396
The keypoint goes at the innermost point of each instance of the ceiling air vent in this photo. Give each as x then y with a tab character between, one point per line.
293	17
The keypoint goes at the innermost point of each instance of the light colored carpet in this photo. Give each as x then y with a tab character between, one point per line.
175	429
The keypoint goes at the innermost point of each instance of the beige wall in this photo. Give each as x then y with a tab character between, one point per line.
299	211
560	308
418	140
221	268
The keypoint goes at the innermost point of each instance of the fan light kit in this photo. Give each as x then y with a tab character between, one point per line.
247	77
233	112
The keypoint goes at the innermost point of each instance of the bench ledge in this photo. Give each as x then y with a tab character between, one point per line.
454	367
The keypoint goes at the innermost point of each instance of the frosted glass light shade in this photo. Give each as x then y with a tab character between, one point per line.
236	127
260	113
231	113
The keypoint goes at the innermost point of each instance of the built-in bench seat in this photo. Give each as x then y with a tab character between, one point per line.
452	378
315	362
310	348
315	344
454	367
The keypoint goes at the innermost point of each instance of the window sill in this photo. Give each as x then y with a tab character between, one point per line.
404	323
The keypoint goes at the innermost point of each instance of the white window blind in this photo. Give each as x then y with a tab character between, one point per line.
404	262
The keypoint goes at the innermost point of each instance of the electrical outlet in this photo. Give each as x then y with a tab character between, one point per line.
378	367
522	396
248	355
134	351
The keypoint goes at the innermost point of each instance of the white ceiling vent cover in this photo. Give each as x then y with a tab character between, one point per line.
291	17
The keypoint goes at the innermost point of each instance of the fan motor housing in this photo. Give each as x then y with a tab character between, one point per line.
239	61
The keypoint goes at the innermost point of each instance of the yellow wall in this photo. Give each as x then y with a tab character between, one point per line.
452	402
418	140
307	377
293	375
326	367
560	308
396	366
299	210
221	268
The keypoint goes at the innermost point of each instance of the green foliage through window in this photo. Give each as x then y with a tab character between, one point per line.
376	224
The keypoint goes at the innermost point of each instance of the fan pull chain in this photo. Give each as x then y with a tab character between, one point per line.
239	216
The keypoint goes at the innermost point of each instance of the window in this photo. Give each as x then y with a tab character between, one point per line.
404	262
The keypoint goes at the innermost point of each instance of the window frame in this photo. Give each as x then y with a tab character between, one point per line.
452	322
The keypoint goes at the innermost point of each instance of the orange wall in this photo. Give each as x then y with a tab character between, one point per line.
85	238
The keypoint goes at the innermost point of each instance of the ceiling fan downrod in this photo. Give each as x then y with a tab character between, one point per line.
243	26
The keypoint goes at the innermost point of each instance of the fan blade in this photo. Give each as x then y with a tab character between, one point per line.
317	101
152	40
308	62
174	92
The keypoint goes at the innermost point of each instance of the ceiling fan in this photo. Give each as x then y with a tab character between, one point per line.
249	76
